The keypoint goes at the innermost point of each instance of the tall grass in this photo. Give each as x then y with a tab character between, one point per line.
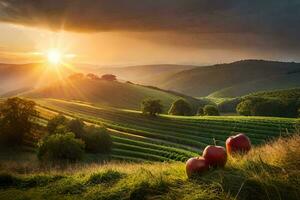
270	171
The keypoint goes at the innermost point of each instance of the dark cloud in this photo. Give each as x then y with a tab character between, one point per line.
261	23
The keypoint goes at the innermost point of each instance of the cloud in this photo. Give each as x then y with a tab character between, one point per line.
209	23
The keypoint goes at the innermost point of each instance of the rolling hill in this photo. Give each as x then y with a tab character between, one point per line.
138	137
234	79
15	78
270	83
108	93
144	74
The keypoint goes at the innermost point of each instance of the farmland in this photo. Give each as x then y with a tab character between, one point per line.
141	138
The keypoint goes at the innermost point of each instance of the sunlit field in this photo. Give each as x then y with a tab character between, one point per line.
149	100
270	170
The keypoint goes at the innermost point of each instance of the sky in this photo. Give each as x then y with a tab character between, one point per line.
132	32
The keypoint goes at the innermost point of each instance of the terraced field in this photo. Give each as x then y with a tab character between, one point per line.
138	137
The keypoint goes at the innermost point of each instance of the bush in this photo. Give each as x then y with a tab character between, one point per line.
59	147
180	107
16	120
152	107
77	127
54	123
211	110
97	140
109	77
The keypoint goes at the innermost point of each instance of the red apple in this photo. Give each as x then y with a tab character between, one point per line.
215	156
239	143
196	166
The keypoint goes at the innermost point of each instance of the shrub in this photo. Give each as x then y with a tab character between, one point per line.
152	107
16	119
54	123
77	127
180	107
211	110
109	77
59	147
97	140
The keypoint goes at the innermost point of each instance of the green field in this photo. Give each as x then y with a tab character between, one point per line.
138	137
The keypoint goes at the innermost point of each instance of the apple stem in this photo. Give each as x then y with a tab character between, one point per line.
215	141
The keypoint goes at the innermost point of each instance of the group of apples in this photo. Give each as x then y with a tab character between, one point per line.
216	156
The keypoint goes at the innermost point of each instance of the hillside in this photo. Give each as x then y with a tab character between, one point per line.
138	137
144	74
107	93
241	76
21	77
270	83
270	171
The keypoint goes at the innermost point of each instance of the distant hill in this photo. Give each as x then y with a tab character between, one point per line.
14	77
238	78
269	83
144	74
18	77
108	93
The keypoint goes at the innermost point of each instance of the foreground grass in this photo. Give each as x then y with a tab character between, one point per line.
271	171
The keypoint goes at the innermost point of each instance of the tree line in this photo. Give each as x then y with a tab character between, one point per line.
153	107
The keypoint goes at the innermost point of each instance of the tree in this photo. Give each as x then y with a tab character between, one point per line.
244	108
54	123
77	127
16	119
152	107
97	140
200	111
109	77
261	106
93	76
180	107
211	110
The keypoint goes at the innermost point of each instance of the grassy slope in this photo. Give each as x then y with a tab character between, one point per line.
202	81
271	171
271	83
168	137
115	94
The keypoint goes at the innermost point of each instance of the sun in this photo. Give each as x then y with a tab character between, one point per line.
54	56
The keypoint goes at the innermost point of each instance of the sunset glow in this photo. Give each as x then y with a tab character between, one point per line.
54	56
